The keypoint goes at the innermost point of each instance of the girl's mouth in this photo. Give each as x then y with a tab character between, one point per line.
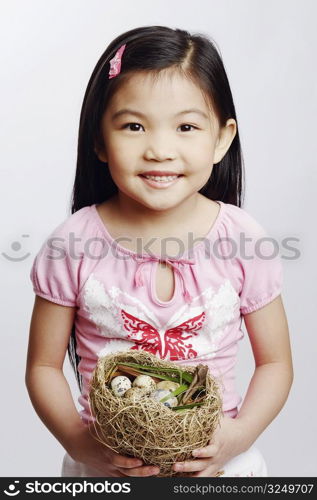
160	182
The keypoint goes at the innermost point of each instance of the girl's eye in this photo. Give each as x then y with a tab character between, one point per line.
132	125
187	125
137	127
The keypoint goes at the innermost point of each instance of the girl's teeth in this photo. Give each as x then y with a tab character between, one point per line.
165	178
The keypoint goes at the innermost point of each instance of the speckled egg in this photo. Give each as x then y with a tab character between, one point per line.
144	382
135	393
168	385
120	385
159	394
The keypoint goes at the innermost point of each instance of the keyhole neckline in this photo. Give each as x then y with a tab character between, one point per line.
153	279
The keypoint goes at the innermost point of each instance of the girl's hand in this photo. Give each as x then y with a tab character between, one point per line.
87	450
225	444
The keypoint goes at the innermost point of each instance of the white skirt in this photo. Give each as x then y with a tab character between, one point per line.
248	464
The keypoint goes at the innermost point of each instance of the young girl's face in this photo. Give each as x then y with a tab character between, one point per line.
163	127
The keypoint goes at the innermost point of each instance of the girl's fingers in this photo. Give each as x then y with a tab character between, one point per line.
207	452
199	463
117	473
147	470
191	466
126	462
134	467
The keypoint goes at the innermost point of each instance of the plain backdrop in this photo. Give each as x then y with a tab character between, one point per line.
48	51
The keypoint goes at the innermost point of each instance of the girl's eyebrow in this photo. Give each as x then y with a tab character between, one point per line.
141	115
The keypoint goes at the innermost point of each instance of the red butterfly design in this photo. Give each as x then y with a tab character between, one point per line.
171	342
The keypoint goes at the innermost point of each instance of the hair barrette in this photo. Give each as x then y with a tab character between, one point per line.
115	62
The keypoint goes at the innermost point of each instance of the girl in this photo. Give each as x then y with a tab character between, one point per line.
159	168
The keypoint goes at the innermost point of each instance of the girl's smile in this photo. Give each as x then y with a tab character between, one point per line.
160	181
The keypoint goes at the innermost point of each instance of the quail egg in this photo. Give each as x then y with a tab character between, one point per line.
159	394
168	385
135	393
120	385
144	382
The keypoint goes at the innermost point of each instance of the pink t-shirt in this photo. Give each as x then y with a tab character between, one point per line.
233	271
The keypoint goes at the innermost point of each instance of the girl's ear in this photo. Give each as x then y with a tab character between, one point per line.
101	154
225	138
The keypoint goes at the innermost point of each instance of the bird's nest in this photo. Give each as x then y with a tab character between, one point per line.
145	428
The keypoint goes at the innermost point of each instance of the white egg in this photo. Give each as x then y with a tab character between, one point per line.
159	394
144	382
120	385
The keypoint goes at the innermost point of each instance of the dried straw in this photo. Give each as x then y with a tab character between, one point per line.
145	428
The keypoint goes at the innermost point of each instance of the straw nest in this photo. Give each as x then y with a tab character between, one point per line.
145	428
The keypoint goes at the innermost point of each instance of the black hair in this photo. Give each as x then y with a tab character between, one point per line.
153	49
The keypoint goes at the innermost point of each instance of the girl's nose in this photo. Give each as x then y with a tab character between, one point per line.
159	150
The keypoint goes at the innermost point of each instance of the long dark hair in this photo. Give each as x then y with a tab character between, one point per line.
152	49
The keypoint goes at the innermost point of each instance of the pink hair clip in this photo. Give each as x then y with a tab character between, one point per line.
115	63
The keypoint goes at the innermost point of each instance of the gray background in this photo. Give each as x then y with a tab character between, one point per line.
48	51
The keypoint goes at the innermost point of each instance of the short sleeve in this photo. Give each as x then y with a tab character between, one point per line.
54	273
262	270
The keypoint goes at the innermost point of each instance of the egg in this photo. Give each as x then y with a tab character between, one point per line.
135	393
120	385
144	382
159	394
166	384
